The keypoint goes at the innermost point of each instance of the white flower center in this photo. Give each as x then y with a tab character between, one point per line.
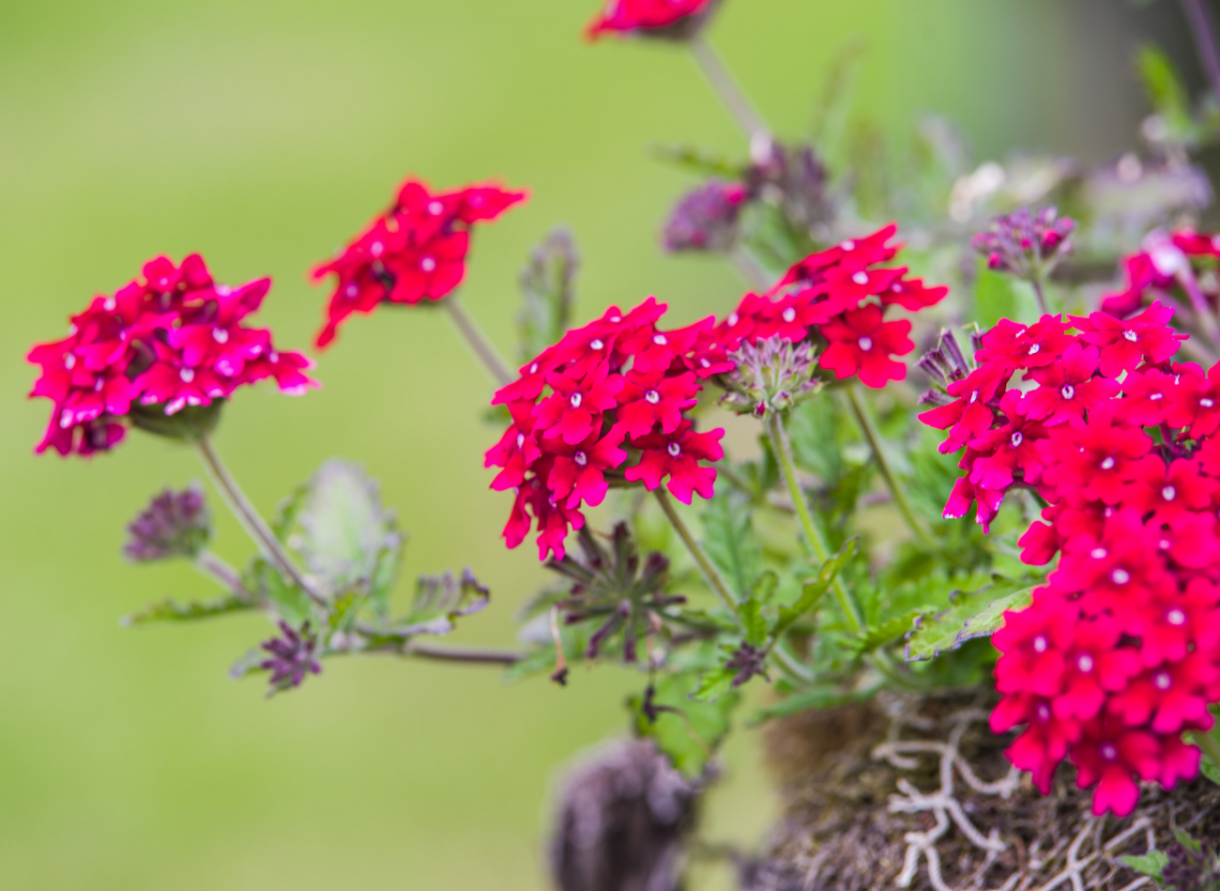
896	287
1108	464
596	344
1169	493
789	314
1120	576
187	375
427	264
1099	553
847	246
97	387
109	305
352	290
220	335
660	340
435	208
616	319
581	458
860	278
1163	680
1040	644
1108	751
974	397
1131	335
576	400
69	361
674	449
1207	403
1035	349
1175	617
534	368
1068	391
1164	544
866	343
1017	438
1085	663
520	440
653	396
1155	396
733	319
376	248
1044	712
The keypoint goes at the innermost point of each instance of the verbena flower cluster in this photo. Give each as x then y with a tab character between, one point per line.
619	387
1119	653
837	299
619	381
1163	264
648	17
415	251
171	339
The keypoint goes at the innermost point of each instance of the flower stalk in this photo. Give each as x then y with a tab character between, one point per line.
873	435
725	87
250	519
478	343
713	577
813	535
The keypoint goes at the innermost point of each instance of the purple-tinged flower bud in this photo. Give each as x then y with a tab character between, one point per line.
771	375
944	365
1026	244
623	816
175	524
706	218
748	661
292	657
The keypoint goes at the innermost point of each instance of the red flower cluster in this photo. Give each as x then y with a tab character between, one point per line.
1163	263
172	338
838	297
632	16
1119	653
414	251
605	403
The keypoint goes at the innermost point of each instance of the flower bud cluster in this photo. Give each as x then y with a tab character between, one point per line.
706	218
771	375
171	339
836	299
175	524
1026	244
606	403
415	251
1119	653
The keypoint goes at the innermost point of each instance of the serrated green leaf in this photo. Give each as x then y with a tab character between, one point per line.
894	628
974	615
1151	864
813	428
687	732
170	610
547	292
714	684
344	535
267	584
813	591
753	623
440	600
729	541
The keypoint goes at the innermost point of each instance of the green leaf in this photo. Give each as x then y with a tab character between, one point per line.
730	542
813	591
267	584
345	535
813	428
688	732
993	296
974	615
175	611
547	292
714	684
1151	864
440	600
813	698
753	622
894	628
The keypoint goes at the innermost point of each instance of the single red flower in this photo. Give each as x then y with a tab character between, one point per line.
1111	757
1067	389
578	473
576	407
651	398
1125	344
648	18
861	343
677	456
1010	345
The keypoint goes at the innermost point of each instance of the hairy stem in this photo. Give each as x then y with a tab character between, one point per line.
1040	294
250	519
468	655
791	665
1206	44
873	435
730	94
755	276
710	573
813	535
223	574
478	342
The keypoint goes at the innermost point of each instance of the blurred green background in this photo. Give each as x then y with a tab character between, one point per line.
263	133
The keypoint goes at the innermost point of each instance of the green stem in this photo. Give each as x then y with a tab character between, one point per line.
714	580
222	573
813	535
250	519
791	665
873	435
1208	743
1040	294
723	83
479	344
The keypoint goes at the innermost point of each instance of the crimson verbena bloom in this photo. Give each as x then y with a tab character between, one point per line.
414	251
171	339
1119	652
606	404
675	19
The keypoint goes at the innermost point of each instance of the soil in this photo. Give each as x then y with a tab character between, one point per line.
916	793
